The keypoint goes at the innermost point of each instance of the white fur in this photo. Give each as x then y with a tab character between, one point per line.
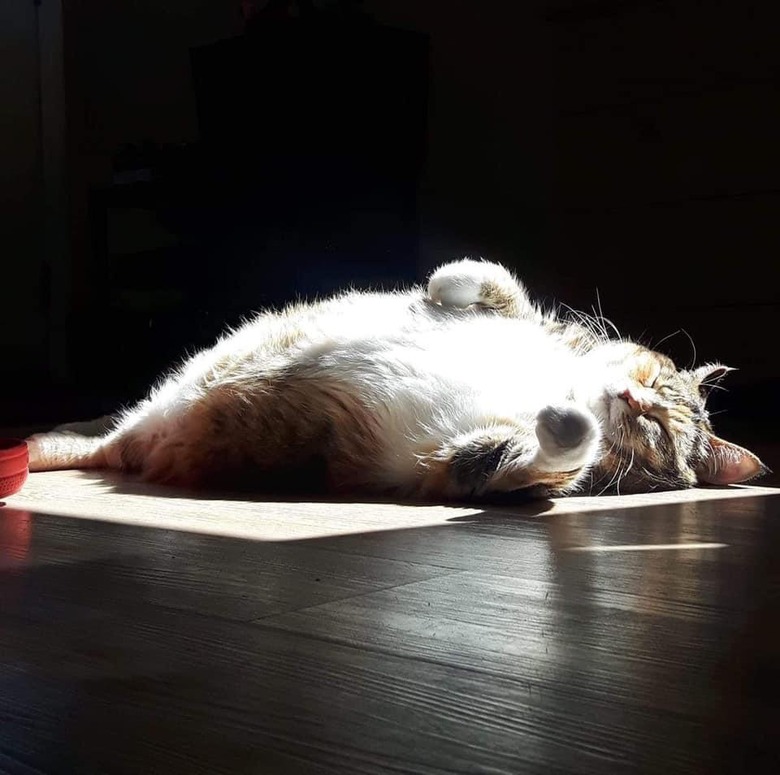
442	379
460	283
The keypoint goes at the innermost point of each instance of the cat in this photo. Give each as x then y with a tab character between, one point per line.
465	389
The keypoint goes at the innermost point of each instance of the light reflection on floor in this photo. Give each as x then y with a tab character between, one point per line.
643	547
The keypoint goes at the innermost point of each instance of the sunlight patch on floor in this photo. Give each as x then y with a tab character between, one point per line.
84	495
582	504
90	495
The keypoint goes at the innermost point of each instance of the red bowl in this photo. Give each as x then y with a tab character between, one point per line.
13	466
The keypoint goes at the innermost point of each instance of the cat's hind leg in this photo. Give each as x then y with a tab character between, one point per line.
57	451
180	451
469	283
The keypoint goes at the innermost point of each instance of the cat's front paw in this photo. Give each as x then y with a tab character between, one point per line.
569	438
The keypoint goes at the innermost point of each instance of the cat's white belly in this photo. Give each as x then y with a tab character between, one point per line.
429	387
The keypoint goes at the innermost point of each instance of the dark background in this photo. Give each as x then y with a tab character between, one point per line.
166	167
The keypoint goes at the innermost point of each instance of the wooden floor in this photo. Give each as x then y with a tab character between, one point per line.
145	632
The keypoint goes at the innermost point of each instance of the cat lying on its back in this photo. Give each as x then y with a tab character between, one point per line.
461	390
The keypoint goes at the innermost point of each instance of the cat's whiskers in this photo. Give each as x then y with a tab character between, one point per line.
615	474
665	339
618	450
625	473
693	346
594	325
609	483
604	321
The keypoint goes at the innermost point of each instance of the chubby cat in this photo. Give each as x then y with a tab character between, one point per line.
464	389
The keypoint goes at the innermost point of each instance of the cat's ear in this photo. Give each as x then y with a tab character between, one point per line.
727	463
708	376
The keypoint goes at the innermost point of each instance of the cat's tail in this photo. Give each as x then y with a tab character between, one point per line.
58	451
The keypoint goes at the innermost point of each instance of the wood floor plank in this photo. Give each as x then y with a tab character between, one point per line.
157	692
513	627
158	640
678	668
224	577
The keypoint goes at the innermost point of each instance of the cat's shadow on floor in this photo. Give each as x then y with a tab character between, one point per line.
511	505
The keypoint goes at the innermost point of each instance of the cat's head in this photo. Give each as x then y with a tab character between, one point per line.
657	432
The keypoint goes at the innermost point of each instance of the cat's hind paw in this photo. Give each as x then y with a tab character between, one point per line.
467	282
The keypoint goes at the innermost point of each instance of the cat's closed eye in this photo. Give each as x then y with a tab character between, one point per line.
652	380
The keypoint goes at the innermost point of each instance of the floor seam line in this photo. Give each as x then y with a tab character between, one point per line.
354	597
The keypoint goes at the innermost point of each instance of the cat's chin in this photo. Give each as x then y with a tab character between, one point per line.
598	403
610	412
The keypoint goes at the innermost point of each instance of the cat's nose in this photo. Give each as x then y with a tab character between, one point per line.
635	403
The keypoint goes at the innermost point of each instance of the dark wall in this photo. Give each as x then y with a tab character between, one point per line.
22	309
234	171
627	147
